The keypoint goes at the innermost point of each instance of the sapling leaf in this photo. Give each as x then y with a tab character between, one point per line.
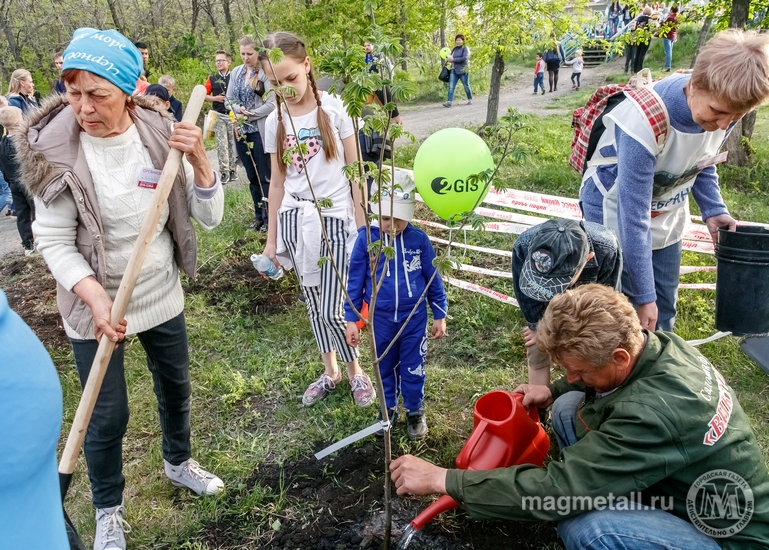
323	260
275	56
389	252
325	203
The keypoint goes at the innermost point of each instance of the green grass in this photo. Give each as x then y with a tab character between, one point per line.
252	355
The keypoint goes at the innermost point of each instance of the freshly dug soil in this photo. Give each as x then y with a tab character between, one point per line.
336	504
31	292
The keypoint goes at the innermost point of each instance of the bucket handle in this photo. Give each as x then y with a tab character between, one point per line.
469	447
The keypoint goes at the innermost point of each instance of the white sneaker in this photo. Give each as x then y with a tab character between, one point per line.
189	474
110	529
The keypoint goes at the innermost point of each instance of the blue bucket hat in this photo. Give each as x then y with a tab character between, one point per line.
107	54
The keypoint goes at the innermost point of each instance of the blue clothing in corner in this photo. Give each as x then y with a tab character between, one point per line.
31	514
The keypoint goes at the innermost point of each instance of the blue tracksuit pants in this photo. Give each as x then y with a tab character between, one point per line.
403	368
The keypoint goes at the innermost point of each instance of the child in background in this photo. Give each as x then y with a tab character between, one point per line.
576	64
169	83
297	240
407	275
539	74
11	119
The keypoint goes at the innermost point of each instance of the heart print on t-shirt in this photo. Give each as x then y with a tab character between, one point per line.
311	138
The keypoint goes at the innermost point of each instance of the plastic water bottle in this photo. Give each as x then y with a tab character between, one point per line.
264	265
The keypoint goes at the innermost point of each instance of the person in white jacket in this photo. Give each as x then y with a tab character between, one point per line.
576	66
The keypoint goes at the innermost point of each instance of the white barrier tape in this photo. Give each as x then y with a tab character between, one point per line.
561	207
517	229
505	253
504	298
351	439
685	269
697	286
716	336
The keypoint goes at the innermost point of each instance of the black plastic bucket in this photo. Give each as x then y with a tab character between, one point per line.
742	280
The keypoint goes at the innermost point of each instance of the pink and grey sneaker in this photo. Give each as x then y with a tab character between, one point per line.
318	389
362	390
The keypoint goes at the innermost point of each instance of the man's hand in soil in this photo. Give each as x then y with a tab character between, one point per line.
414	476
536	396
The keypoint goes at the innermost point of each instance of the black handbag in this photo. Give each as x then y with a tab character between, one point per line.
444	75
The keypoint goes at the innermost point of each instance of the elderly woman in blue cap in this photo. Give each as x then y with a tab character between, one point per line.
92	159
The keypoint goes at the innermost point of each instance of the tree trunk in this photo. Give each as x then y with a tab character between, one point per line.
738	152
739	16
12	44
496	82
195	13
115	17
443	23
230	27
704	31
403	21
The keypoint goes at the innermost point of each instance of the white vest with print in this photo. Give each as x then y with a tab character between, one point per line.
677	165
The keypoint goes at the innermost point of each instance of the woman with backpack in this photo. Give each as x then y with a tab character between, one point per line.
553	62
643	169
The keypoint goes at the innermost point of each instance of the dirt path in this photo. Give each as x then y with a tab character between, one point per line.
424	119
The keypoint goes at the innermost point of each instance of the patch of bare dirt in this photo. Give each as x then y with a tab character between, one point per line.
31	292
336	504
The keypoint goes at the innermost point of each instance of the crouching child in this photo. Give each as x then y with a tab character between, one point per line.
406	276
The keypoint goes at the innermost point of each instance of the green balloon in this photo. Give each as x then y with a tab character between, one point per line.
444	53
441	168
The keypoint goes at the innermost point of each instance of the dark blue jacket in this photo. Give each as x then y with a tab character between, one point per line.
604	268
460	55
22	102
407	274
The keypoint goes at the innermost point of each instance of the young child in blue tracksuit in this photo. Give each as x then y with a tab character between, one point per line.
406	275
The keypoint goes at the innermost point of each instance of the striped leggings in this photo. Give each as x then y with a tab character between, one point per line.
325	303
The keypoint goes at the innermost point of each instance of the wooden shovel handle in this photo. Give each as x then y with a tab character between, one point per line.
123	297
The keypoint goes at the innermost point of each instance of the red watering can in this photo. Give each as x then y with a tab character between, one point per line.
504	434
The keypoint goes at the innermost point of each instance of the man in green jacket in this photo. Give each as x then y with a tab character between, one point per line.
656	450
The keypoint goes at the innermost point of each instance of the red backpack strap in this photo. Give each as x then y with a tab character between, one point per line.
655	111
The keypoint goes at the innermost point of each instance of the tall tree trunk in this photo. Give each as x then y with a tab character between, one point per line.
12	44
115	17
403	21
703	37
738	152
230	26
443	23
739	16
195	12
496	82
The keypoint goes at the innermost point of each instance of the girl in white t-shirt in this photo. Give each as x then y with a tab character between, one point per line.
320	121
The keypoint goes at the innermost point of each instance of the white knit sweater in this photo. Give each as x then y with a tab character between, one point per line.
115	164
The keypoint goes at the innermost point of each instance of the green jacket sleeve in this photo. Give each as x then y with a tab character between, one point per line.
609	462
562	386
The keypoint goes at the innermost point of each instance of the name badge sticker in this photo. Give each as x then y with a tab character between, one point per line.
149	178
711	161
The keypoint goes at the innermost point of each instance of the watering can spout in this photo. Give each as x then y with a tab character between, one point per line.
504	434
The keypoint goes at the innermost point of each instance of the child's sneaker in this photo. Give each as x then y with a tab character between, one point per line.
392	414
189	474
362	390
417	424
318	389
